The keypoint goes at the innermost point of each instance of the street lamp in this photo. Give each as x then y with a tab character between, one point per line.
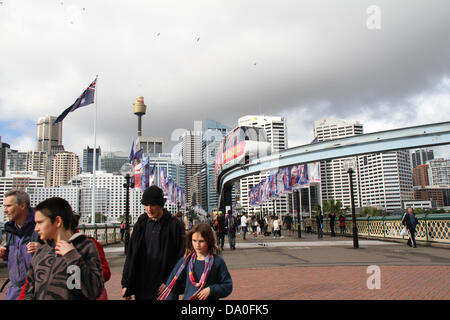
349	167
127	170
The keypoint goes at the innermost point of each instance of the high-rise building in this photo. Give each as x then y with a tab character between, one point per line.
439	172
213	134
149	145
191	147
18	180
334	180
111	162
65	166
276	132
69	193
88	158
385	179
16	161
48	135
38	161
4	149
421	156
420	175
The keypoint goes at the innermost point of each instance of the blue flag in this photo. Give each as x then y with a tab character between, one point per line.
86	98
132	152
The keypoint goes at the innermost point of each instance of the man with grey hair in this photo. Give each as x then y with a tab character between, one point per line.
21	239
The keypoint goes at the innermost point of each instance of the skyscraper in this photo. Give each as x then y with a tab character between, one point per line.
65	166
88	157
334	180
48	135
276	132
191	147
213	134
421	156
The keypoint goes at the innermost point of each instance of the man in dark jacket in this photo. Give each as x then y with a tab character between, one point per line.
21	240
156	244
231	224
410	221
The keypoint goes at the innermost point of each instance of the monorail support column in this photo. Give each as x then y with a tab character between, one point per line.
227	199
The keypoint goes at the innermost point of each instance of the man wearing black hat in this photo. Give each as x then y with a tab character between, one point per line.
156	244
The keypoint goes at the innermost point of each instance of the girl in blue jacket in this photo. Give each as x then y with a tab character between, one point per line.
201	274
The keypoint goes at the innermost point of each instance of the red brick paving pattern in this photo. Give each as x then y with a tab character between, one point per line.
331	283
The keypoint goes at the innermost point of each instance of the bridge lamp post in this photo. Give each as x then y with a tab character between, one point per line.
349	167
127	171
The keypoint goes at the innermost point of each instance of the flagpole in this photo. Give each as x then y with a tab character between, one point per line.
95	152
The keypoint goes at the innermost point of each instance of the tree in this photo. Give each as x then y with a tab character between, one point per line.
371	212
332	206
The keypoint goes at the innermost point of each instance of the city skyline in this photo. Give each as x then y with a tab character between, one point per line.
299	60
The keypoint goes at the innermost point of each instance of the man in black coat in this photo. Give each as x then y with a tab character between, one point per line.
156	245
410	221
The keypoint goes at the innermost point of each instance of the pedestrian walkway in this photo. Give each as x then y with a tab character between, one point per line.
290	268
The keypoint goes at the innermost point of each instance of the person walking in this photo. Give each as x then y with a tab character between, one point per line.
288	221
21	240
254	226
68	266
201	274
276	226
319	221
122	230
342	224
221	231
156	244
244	223
231	224
332	220
410	221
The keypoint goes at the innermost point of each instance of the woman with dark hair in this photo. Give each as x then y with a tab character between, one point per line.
68	266
202	274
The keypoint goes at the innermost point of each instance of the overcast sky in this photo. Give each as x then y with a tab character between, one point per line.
196	60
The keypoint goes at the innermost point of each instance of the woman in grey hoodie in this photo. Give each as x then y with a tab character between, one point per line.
68	266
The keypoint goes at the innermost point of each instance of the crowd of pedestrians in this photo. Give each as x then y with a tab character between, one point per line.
167	257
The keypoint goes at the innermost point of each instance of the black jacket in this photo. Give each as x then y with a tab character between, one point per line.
406	221
172	247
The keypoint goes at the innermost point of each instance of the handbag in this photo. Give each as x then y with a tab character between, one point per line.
403	232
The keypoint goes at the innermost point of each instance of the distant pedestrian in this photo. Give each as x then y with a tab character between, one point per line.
276	227
254	225
221	231
410	221
202	274
319	221
156	244
244	223
288	221
342	224
21	240
270	226
231	224
68	266
308	225
122	230
332	220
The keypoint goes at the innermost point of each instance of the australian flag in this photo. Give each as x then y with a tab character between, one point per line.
86	98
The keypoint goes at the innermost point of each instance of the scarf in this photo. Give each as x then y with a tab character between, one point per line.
190	258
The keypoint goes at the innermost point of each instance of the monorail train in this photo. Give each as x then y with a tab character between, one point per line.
239	146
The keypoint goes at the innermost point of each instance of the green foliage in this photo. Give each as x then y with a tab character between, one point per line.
371	212
332	206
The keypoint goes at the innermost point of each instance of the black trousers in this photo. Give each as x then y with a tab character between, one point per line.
412	238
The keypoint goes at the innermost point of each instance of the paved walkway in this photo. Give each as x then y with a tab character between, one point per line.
330	268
